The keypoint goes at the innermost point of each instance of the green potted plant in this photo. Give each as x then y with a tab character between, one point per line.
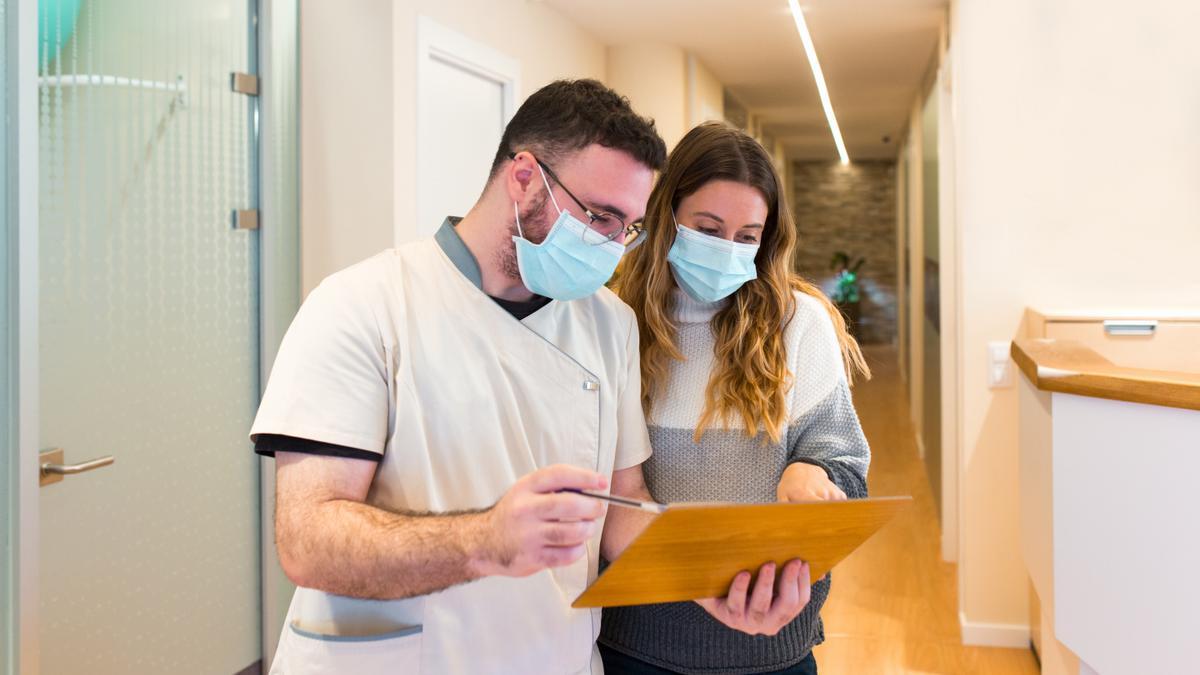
846	293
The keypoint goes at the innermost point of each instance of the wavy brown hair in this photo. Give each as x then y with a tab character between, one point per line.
751	377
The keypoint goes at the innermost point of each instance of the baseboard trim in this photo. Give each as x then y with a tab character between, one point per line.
978	634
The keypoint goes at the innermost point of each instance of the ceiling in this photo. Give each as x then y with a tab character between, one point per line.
874	53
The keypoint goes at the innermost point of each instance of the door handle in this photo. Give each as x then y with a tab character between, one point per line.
53	469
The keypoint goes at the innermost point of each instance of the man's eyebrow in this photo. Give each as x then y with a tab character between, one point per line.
609	208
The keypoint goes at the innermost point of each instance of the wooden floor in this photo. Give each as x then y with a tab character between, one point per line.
894	605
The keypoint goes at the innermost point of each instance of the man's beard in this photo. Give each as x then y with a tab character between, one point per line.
535	223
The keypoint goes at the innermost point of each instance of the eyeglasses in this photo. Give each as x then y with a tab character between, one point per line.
609	226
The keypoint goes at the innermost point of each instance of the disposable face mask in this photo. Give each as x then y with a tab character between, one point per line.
573	262
710	268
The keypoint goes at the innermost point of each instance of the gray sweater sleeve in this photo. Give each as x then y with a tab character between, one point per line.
829	436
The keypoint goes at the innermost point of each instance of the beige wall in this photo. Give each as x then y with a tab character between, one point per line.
774	148
932	384
1078	157
358	108
706	94
654	77
902	281
546	44
706	101
779	157
346	134
915	304
949	282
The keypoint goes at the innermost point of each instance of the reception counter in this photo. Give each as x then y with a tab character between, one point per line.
1110	510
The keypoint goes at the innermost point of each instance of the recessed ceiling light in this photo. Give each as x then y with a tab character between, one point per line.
811	51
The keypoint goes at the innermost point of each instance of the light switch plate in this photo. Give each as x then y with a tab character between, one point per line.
1000	372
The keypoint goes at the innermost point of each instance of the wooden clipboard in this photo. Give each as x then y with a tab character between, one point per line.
694	551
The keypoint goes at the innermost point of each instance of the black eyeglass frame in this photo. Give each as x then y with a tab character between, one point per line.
633	232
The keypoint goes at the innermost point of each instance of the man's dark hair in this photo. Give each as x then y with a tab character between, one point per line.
568	115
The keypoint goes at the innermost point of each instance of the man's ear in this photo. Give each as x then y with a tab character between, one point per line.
519	176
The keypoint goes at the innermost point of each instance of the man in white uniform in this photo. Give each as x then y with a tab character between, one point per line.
429	404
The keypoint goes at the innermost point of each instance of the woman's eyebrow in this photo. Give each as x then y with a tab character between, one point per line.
719	219
709	214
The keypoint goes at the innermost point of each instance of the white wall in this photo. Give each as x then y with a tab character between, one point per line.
358	109
1078	161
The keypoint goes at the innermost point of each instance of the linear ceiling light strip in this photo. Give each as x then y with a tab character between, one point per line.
819	76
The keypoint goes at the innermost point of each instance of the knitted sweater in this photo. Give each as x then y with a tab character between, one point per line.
729	465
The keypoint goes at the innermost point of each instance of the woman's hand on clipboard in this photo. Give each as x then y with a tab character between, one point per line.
767	608
807	483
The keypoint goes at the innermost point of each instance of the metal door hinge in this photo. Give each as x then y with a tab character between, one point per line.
244	83
245	219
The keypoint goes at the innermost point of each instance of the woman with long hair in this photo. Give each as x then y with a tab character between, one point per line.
746	370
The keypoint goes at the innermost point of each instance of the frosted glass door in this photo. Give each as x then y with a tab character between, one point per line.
148	301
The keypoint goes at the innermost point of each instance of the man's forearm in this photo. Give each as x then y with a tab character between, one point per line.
353	549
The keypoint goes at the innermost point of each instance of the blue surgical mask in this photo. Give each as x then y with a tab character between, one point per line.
573	262
710	268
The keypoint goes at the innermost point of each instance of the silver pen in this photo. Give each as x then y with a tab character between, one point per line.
652	507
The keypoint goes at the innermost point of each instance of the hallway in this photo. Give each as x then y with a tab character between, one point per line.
893	608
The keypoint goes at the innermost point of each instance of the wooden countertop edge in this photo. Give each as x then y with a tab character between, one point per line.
1070	367
1159	315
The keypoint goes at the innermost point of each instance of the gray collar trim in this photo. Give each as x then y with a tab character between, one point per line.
454	248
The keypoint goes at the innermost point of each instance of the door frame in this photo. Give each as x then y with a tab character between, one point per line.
278	266
22	64
279	297
435	41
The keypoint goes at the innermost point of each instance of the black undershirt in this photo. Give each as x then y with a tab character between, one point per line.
268	444
522	308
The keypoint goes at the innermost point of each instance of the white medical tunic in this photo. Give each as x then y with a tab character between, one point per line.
403	355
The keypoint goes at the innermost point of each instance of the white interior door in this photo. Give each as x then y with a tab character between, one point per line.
466	93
